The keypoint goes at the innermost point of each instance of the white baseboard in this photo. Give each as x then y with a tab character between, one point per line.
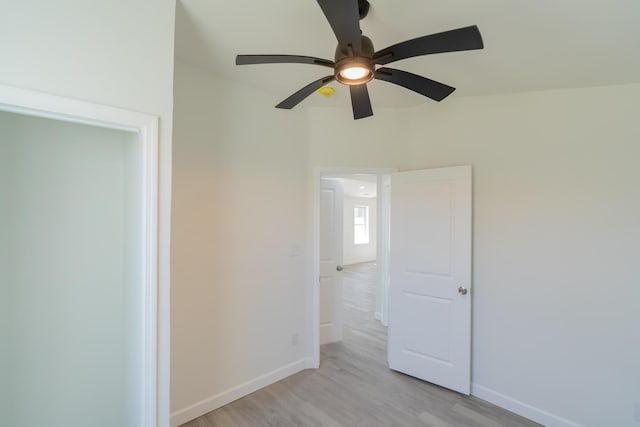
523	409
214	402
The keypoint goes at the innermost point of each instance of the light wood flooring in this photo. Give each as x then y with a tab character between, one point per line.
354	387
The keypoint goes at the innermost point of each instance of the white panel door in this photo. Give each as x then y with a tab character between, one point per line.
430	265
331	201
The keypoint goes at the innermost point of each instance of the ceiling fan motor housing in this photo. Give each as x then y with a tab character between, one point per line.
363	8
346	57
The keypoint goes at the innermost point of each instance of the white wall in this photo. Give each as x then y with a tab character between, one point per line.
556	204
118	53
239	238
378	142
555	243
70	221
352	253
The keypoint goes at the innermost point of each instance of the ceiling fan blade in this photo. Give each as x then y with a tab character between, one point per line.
424	86
360	101
467	38
303	93
344	19
282	59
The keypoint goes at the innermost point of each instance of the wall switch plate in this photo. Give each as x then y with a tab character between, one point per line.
294	252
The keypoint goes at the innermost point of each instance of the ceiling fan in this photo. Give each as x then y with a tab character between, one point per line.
356	60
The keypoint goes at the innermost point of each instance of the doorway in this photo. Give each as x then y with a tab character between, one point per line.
78	245
348	295
351	252
429	264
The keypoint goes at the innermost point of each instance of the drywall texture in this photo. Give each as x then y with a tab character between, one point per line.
239	237
70	221
556	204
102	51
352	253
117	53
336	140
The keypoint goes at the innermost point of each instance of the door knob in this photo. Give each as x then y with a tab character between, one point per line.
339	268
462	290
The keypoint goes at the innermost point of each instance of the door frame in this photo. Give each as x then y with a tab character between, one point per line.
384	245
154	285
315	254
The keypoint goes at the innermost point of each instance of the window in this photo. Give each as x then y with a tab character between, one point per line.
361	225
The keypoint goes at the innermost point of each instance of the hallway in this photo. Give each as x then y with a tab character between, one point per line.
354	387
362	333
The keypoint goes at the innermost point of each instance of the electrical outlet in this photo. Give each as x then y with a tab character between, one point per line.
294	340
637	411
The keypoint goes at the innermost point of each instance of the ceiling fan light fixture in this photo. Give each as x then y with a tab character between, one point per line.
354	71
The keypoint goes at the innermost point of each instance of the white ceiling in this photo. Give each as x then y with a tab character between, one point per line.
357	185
529	45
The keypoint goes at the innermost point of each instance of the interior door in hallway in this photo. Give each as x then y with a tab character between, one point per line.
331	218
430	267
